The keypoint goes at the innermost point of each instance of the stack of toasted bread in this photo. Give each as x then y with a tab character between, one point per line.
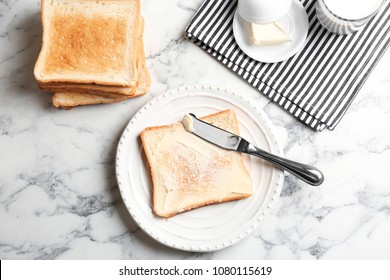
92	52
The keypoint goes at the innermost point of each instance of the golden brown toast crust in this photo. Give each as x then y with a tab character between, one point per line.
69	97
88	46
77	99
103	90
93	45
206	203
142	87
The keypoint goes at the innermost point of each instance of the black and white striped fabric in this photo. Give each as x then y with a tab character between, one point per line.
316	85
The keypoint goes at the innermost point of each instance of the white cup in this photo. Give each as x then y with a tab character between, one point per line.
263	11
346	16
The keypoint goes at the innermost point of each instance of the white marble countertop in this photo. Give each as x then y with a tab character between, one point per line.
58	193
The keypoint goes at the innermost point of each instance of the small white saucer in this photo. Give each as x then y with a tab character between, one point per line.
295	24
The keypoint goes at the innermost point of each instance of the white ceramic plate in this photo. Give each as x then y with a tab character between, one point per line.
211	227
295	24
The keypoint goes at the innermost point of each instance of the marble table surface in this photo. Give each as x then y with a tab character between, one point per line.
58	193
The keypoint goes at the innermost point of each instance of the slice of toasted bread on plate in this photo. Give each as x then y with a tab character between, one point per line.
188	172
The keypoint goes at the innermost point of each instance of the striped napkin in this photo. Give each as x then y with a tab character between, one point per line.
316	85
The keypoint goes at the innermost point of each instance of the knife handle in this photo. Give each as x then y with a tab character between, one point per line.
307	173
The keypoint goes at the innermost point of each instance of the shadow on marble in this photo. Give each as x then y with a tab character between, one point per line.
291	185
27	38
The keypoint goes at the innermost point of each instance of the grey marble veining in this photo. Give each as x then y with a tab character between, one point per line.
58	192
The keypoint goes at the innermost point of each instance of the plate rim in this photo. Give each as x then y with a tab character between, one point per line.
281	58
277	174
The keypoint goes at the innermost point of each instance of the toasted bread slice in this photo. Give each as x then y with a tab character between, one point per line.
144	76
89	42
68	100
108	90
101	89
95	89
188	172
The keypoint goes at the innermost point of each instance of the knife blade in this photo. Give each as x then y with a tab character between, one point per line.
230	141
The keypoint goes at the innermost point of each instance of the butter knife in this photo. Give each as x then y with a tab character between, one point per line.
230	141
